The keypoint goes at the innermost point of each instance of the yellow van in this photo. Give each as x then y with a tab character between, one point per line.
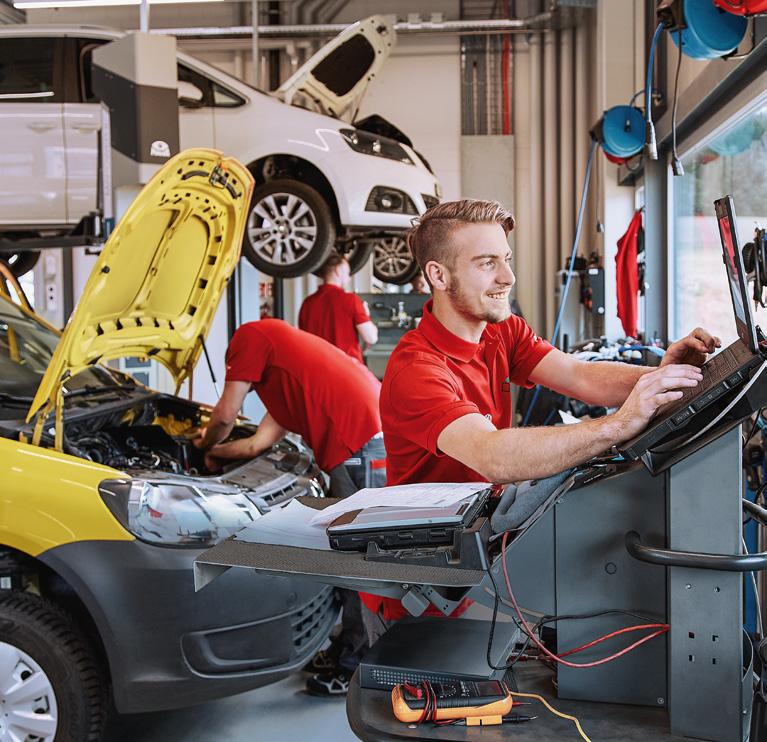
104	501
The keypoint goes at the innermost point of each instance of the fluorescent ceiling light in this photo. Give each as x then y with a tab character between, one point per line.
32	4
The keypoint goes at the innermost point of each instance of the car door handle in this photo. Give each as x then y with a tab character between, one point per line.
40	126
86	128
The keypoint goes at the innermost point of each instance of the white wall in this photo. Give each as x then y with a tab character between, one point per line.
419	91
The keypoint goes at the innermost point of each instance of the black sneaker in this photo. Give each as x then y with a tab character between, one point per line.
334	683
324	661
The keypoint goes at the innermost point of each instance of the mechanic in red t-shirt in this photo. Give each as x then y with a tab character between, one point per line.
311	388
446	399
339	316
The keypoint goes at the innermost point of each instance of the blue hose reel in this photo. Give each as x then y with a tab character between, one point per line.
623	131
707	31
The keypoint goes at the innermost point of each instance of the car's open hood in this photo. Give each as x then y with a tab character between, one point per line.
156	285
334	79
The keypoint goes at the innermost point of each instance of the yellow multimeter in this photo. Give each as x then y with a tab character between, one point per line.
478	702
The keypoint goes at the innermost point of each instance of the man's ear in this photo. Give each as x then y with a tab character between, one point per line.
436	274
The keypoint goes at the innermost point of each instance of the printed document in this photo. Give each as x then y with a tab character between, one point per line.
433	495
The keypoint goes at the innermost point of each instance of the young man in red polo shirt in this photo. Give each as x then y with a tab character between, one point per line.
311	388
446	397
337	315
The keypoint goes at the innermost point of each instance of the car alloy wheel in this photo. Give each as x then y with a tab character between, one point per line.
282	228
290	230
392	261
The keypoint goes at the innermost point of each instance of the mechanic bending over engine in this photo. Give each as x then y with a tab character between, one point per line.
446	404
312	388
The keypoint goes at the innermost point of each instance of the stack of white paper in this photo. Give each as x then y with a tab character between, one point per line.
433	495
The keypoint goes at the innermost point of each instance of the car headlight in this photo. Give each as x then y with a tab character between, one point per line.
372	144
176	514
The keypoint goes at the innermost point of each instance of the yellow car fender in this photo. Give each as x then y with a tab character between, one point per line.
49	498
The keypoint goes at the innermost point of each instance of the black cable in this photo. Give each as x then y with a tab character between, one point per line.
596	614
676	163
496	601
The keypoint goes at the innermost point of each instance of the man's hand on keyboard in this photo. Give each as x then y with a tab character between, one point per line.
653	390
692	349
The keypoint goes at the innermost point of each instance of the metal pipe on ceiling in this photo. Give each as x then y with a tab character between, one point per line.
461	28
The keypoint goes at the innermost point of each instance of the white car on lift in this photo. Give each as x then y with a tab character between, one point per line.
321	181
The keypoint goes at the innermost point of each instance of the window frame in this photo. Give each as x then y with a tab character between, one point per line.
729	115
209	100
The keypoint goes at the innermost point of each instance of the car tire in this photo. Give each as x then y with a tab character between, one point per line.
41	645
290	230
21	262
359	254
392	261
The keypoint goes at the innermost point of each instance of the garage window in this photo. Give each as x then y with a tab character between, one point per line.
732	161
26	70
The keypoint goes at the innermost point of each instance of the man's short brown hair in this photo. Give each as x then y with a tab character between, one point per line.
429	238
330	265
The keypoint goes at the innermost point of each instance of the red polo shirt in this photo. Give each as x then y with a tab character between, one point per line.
308	386
433	378
334	314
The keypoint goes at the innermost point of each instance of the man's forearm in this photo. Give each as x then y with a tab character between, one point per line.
608	383
268	433
515	454
216	431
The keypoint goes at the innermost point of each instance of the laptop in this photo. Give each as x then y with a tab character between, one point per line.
405	528
728	369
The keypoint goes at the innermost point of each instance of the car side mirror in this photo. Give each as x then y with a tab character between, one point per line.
189	95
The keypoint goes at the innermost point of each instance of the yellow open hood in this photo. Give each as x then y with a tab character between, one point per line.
156	285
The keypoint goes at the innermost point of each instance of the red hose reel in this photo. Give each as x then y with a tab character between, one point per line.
742	7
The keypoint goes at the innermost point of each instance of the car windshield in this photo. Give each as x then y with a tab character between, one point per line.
26	348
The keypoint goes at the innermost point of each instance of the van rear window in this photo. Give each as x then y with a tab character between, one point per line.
26	70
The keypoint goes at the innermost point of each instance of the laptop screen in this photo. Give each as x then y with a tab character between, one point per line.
736	272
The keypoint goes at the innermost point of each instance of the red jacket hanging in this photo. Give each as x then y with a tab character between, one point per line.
627	275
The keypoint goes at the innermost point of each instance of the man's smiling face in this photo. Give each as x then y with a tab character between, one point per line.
479	276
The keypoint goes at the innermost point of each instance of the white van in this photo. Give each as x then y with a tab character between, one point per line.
320	181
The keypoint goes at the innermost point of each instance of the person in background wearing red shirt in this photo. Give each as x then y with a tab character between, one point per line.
311	388
418	285
446	398
335	314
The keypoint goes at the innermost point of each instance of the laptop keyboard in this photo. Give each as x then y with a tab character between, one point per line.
720	373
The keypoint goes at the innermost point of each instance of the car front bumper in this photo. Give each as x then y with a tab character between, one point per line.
168	646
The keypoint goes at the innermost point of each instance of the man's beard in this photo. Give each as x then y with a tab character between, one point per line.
475	312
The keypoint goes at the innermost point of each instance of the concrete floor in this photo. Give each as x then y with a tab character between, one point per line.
282	712
277	713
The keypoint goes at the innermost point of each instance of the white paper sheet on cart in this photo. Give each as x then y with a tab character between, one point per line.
286	526
435	495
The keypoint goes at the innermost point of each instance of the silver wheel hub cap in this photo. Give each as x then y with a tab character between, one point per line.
391	256
28	711
282	228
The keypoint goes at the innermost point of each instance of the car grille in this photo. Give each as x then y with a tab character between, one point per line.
429	200
295	489
313	618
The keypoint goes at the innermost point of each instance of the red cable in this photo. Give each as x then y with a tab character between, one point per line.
625	630
553	656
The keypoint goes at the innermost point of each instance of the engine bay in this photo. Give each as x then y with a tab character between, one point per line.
150	435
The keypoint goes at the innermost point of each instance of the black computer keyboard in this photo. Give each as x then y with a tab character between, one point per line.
721	372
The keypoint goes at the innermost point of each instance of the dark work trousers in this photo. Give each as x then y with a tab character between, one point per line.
364	468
